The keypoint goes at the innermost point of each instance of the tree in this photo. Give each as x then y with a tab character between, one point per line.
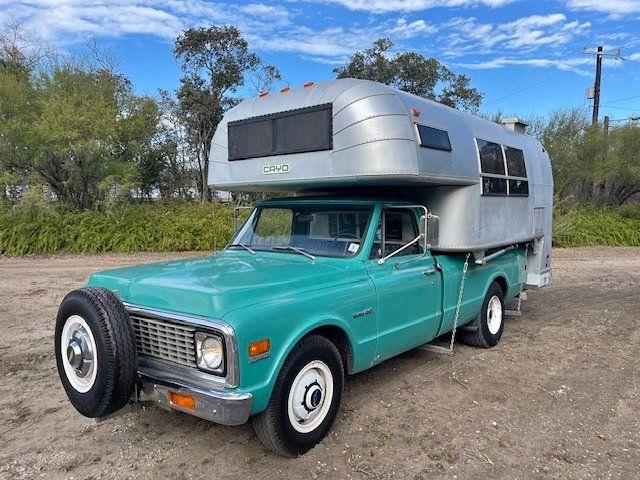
19	109
215	61
413	73
589	164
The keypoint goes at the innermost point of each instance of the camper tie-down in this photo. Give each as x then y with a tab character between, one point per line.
409	220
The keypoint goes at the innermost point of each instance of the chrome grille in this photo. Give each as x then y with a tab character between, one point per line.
165	340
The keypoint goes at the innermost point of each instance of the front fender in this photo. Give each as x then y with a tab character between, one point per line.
286	320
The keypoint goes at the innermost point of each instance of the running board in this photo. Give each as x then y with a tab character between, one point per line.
430	347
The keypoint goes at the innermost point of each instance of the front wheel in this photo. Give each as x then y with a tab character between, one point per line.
486	329
305	398
95	351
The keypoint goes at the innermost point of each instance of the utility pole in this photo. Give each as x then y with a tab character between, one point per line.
599	53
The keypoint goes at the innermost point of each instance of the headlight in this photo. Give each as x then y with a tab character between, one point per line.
210	352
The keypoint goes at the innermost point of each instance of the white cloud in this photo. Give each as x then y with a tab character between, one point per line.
572	64
525	34
386	6
64	21
614	7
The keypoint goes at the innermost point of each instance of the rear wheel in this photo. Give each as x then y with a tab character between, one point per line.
486	330
305	398
95	351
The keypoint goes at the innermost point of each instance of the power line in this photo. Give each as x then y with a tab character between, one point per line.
526	88
622	99
620	108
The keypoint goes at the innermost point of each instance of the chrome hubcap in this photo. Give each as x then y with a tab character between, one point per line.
79	353
310	396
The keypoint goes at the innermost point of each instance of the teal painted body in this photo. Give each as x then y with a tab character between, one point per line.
382	310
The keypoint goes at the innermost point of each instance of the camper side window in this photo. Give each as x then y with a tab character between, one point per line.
491	159
433	138
503	170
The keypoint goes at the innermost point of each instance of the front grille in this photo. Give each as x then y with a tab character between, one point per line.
165	340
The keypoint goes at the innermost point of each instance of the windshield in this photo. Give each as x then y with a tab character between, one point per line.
336	231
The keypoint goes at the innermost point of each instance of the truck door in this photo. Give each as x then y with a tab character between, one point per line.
408	286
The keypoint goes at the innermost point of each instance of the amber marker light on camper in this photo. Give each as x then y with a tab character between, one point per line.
415	112
285	89
259	348
308	84
263	94
181	400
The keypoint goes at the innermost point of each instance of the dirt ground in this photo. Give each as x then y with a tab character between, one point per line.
559	397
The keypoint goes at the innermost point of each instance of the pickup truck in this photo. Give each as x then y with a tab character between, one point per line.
308	290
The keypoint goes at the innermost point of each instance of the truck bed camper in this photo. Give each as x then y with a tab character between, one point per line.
411	224
489	185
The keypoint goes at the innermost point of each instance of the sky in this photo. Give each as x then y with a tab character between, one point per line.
525	56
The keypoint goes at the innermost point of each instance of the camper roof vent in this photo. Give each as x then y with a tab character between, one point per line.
515	124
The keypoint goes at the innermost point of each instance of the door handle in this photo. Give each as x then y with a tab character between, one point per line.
430	271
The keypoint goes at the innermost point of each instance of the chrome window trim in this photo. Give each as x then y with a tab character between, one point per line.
231	343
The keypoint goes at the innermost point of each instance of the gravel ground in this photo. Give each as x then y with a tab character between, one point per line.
558	398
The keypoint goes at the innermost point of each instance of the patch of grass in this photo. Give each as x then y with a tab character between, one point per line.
159	227
589	226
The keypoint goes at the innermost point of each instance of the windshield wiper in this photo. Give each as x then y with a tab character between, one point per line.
242	245
301	251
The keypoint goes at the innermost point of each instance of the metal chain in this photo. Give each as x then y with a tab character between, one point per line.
526	252
455	319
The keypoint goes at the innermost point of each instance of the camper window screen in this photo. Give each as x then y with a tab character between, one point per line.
491	160
296	131
433	138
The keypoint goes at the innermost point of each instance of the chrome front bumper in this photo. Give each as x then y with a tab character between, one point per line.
212	402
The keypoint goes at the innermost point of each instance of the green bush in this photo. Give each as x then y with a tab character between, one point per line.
159	227
585	226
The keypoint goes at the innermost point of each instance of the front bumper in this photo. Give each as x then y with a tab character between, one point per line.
212	401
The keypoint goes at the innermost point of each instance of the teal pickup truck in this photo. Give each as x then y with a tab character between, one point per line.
308	291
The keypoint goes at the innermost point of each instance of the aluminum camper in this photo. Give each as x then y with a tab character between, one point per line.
490	185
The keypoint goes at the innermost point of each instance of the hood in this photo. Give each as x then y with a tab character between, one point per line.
214	286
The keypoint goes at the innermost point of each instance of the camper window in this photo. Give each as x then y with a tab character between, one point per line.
515	162
494	186
434	138
491	159
303	130
518	188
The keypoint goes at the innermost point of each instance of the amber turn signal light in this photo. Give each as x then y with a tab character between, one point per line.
259	347
181	400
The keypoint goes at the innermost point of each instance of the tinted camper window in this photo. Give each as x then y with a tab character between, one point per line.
491	160
296	131
518	188
494	186
434	138
515	162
